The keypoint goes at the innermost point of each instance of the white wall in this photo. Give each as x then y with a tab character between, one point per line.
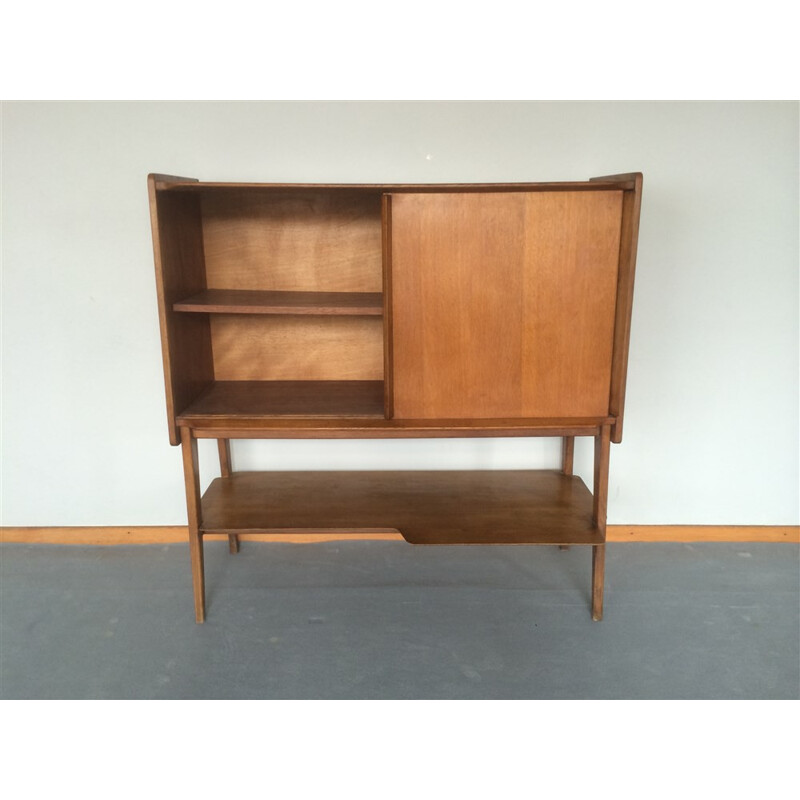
711	429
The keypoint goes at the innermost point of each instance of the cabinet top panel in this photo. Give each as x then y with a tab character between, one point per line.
163	183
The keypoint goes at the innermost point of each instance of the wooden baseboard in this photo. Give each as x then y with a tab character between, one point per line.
703	533
145	534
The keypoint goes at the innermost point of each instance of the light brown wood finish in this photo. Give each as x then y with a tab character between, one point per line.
96	535
629	238
503	304
241	301
179	263
263	348
194	511
293	240
439	507
571	251
225	471
456	264
169	534
774	534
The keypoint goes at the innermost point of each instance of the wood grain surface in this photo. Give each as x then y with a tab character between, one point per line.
293	240
312	348
629	239
287	409
441	507
503	304
242	301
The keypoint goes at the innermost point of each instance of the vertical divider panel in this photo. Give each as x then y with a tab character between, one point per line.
388	368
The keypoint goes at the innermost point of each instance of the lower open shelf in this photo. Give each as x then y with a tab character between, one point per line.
426	507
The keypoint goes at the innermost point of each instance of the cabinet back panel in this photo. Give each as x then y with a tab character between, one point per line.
301	239
503	304
256	348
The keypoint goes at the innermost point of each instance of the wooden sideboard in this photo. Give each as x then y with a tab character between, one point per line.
305	311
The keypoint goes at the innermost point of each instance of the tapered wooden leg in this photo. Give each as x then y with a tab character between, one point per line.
602	449
598	575
567	458
191	477
225	470
198	576
568	455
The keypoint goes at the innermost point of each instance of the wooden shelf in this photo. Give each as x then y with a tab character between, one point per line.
466	507
240	301
228	400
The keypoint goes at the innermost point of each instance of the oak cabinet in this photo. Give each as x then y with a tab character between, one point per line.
379	311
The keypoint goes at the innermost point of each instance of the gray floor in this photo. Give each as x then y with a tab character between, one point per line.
389	620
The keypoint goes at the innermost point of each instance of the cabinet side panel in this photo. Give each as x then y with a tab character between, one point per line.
285	240
503	304
185	338
632	201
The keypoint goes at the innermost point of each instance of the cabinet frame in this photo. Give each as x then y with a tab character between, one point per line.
198	406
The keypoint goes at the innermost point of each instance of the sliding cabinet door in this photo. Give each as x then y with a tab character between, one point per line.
501	303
